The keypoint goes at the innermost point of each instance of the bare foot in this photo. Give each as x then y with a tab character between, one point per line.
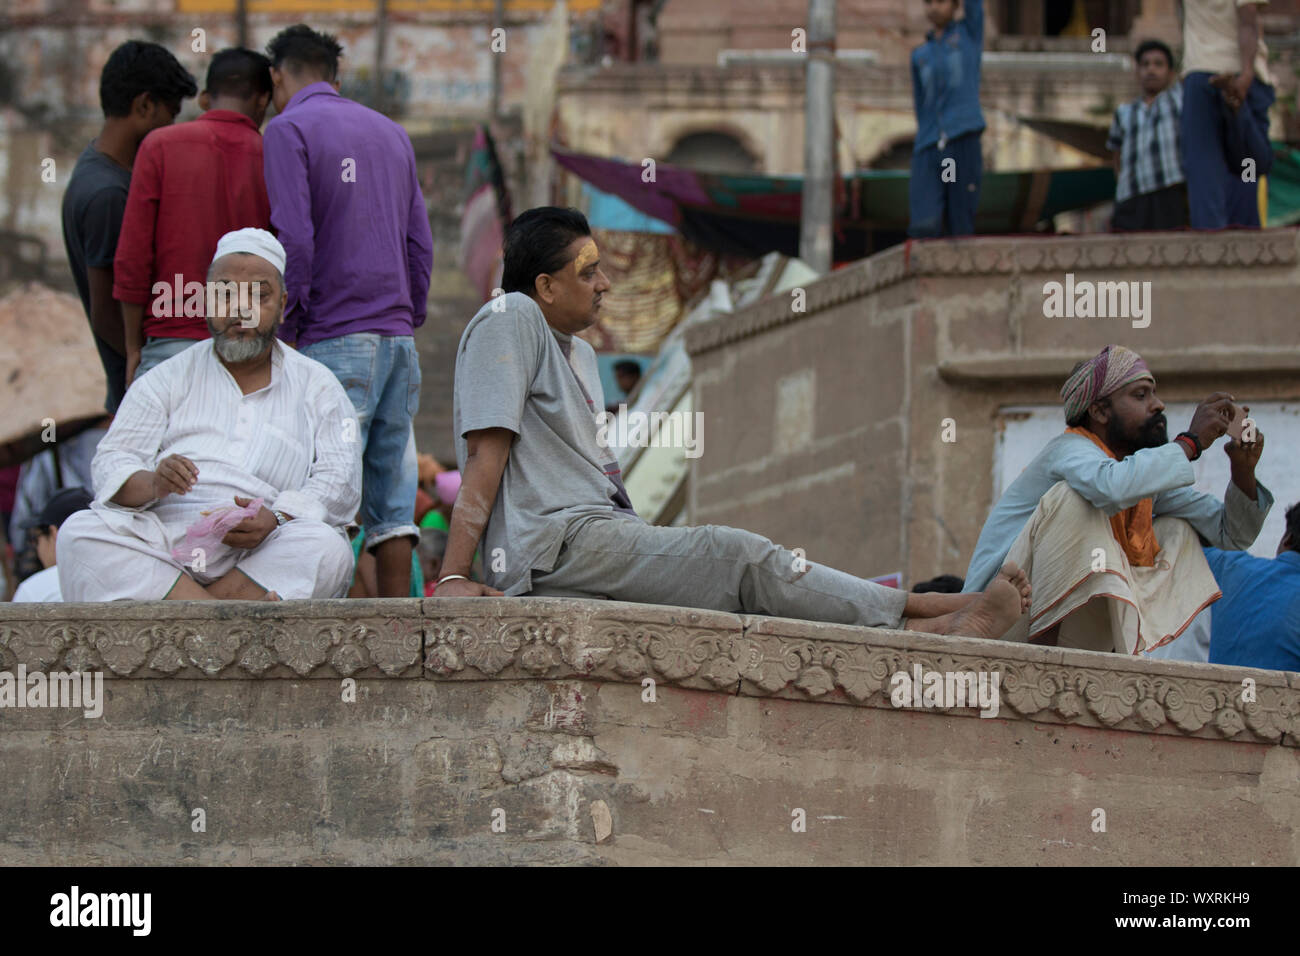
990	615
1013	573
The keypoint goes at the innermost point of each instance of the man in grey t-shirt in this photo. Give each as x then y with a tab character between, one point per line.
547	499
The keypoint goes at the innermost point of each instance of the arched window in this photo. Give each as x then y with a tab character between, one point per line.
897	155
712	152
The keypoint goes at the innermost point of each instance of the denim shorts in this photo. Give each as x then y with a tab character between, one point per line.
381	374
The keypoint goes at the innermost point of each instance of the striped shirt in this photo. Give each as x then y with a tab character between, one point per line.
1148	140
293	443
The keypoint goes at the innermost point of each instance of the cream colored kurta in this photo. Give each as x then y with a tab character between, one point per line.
293	443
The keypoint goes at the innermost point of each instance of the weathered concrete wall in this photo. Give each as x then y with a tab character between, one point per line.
536	708
825	427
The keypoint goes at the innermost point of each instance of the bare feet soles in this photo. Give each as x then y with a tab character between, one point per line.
1020	579
992	613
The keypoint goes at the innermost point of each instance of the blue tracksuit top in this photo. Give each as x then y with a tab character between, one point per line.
946	79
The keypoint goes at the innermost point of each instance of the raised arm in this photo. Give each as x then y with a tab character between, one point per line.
974	21
1115	485
1232	524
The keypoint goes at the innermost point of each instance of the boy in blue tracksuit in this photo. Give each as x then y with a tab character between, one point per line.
946	89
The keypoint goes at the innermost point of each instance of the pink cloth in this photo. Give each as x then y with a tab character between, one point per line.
447	484
206	533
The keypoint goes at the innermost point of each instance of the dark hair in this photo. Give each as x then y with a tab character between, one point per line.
627	365
299	48
943	584
136	67
537	242
1146	46
239	73
1293	526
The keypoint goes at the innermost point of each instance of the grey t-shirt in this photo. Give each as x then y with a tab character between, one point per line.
514	371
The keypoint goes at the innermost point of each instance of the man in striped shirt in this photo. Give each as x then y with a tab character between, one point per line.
1150	191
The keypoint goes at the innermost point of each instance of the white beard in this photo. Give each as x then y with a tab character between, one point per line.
242	350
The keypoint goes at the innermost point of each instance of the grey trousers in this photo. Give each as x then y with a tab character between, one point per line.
714	567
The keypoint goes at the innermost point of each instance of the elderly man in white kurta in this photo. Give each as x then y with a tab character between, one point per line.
228	420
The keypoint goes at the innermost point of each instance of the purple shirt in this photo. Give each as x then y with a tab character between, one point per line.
346	205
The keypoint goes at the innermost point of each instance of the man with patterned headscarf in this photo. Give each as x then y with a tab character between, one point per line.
1105	520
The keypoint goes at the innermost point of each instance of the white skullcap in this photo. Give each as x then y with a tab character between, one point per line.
256	242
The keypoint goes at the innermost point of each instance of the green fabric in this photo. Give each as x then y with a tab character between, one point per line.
1284	186
434	519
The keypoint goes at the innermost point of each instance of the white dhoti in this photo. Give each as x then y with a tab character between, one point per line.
304	558
1083	580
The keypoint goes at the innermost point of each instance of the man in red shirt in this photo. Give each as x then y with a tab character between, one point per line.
192	184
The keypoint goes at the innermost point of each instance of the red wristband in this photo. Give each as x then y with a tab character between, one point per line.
1190	445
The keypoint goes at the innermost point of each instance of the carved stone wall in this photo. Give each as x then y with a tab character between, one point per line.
540	708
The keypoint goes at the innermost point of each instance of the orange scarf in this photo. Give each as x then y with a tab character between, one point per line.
1132	527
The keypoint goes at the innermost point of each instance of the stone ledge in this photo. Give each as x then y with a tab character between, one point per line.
987	255
549	639
1053	369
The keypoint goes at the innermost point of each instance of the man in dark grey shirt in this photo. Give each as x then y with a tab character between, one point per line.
140	89
540	484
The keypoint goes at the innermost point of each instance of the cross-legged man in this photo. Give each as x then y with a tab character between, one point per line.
227	421
1106	522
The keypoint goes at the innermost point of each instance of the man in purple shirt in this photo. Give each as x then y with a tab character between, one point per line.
346	205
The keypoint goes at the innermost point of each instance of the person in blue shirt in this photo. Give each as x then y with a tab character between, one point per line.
946	161
1257	621
1106	521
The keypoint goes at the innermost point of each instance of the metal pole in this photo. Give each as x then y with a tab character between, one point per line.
498	20
241	23
815	241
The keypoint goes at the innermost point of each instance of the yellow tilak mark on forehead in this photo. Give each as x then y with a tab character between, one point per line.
586	256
